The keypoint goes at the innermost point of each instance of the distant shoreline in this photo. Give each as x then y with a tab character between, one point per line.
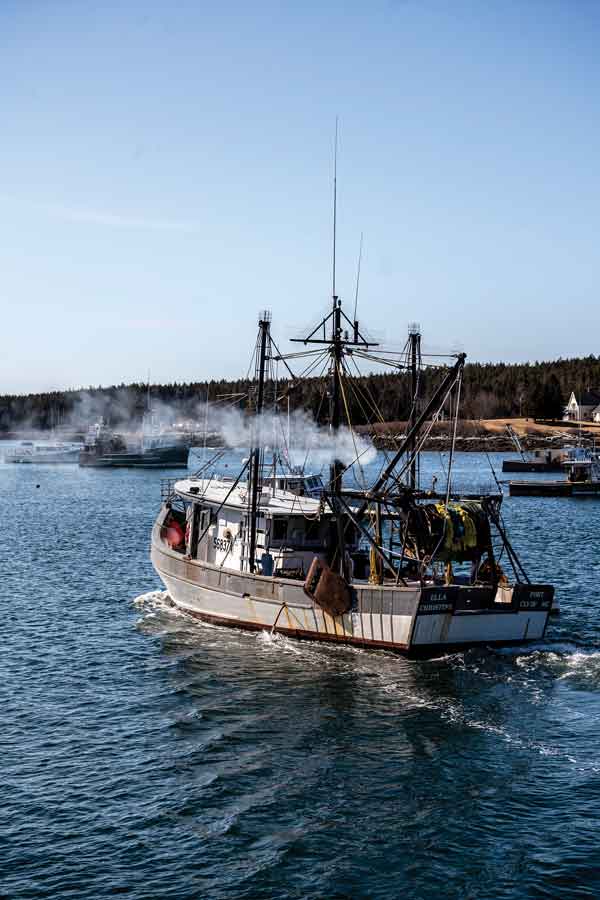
487	434
472	436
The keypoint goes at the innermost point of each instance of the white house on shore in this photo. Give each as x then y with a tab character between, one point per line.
584	408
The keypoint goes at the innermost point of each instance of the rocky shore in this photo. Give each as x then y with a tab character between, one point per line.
491	435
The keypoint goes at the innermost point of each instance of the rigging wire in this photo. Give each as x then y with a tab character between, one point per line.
383	362
359	393
396	478
344	398
358	275
485	450
323	395
300	353
453	444
457	383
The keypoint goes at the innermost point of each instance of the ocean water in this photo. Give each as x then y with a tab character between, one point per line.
150	756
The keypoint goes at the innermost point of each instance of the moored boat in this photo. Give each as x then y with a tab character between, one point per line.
550	460
582	467
547	459
104	448
46	452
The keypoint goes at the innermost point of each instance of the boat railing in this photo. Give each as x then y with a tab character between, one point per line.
468	490
483	488
167	488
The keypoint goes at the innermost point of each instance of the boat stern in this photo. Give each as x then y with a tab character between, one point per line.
455	617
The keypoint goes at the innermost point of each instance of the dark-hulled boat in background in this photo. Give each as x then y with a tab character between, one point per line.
546	459
105	448
582	467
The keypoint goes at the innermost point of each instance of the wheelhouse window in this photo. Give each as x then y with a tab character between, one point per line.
280	529
312	530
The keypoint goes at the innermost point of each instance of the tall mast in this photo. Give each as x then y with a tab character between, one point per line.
414	337
333	292
340	338
336	348
336	351
336	467
264	326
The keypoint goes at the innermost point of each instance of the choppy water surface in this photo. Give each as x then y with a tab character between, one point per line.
151	756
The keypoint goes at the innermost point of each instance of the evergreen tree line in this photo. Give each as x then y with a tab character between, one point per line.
490	390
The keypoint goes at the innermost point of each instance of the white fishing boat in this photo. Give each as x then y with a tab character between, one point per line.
384	564
47	452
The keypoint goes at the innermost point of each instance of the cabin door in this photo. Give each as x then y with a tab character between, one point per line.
194	514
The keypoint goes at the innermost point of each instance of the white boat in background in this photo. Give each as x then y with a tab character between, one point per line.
43	452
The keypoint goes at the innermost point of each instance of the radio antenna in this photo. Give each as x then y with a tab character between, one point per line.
358	275
335	200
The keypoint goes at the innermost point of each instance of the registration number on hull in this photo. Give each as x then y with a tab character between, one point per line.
222	544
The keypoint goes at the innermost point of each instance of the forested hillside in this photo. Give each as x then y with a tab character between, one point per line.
489	390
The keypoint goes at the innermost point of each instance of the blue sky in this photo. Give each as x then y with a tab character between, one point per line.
165	172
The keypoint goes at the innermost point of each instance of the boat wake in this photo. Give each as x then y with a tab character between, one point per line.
413	687
273	641
562	659
584	665
153	600
159	615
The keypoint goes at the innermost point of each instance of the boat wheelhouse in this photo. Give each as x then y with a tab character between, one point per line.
295	482
206	520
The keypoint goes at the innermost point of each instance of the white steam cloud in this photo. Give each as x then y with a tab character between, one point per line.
298	438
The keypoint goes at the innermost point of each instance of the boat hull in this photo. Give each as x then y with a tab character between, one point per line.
158	458
554	488
519	465
413	620
51	461
42	454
